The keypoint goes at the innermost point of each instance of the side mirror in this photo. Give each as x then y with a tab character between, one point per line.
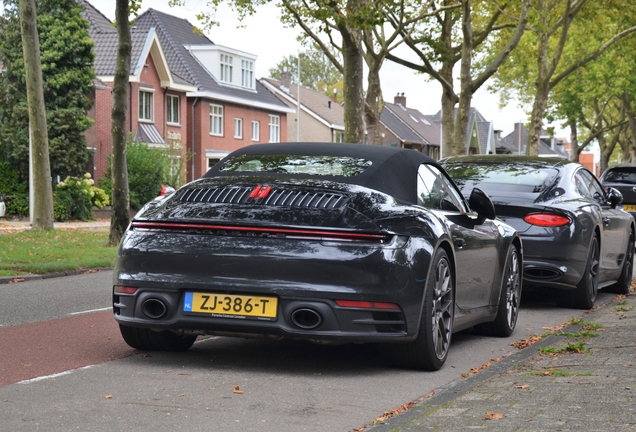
614	197
482	204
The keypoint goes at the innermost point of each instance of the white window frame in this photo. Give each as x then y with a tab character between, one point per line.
216	120
173	102
256	130
274	128
146	95
247	73
238	128
226	68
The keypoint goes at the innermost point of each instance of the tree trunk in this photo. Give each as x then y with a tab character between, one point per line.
541	97
120	216
632	125
574	141
373	106
353	76
43	189
461	132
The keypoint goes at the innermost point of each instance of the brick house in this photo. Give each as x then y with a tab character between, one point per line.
186	94
321	117
409	128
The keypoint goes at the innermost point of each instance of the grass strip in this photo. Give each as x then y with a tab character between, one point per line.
52	251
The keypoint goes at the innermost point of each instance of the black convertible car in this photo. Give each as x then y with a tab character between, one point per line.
575	236
325	242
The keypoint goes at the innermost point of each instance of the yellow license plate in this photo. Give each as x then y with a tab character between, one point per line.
230	305
629	207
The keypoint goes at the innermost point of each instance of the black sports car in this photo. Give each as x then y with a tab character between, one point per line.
622	177
575	237
326	242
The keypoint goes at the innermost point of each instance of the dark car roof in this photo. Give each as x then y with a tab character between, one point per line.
539	162
393	170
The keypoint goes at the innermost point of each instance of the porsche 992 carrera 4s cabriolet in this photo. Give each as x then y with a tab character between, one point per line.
319	241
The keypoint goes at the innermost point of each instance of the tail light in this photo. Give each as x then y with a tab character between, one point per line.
547	219
358	304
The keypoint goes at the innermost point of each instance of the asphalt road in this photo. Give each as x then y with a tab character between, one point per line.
63	366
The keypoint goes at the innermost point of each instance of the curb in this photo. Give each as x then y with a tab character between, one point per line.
32	277
460	387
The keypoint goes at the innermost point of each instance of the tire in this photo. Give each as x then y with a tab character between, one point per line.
584	296
430	349
624	283
509	300
148	340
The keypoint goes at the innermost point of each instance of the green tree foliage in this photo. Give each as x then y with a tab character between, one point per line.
67	58
16	194
75	197
148	169
316	72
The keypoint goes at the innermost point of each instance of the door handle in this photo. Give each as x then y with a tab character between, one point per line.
606	221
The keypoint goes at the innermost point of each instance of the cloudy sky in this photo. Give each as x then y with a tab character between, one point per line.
264	36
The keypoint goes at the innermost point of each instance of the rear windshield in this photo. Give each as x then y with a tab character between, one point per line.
501	178
296	164
620	175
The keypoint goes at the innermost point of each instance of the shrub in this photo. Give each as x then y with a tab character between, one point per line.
148	169
16	193
74	198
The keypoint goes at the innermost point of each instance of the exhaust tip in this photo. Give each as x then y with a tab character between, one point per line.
306	319
154	308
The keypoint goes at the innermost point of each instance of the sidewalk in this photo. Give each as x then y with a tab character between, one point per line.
592	390
11	226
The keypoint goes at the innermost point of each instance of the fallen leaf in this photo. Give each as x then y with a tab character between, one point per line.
496	359
522	386
524	343
238	390
181	394
184	373
493	416
108	397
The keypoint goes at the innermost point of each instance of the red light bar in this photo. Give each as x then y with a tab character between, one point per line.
360	304
263	230
547	219
125	290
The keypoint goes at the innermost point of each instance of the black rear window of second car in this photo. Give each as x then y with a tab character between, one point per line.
296	164
620	175
501	177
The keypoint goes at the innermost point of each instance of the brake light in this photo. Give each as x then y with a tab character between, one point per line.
547	219
125	290
359	304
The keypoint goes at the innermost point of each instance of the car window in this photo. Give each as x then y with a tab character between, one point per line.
595	190
296	164
620	175
435	191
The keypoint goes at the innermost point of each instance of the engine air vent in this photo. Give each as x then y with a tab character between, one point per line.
275	197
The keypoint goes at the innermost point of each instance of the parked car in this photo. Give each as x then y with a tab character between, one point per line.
326	242
623	178
3	208
575	236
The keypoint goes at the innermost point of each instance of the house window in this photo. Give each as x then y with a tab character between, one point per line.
274	128
145	105
173	109
256	131
226	68
247	73
238	128
216	120
339	138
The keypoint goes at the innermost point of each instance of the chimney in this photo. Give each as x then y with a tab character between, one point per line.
518	137
335	95
400	99
329	104
285	79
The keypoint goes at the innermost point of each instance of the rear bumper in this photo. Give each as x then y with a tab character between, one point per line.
304	275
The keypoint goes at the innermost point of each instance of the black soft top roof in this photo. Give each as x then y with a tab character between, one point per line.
393	170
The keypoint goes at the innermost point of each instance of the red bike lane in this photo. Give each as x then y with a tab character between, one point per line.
45	348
